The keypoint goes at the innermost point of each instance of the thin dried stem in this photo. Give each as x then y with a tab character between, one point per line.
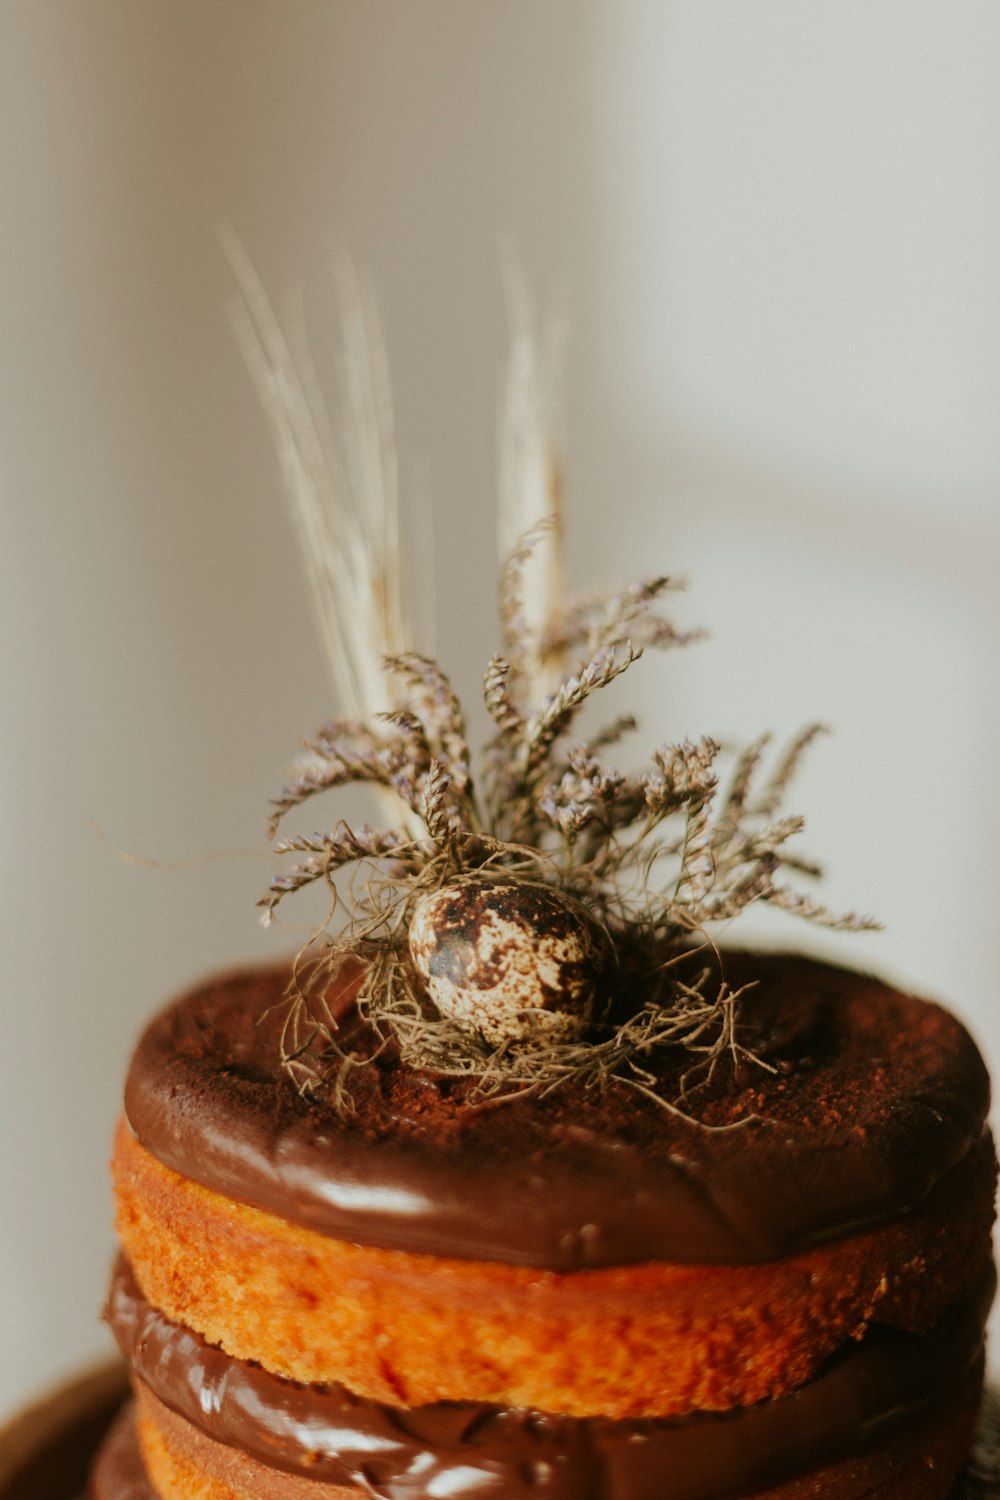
342	496
530	492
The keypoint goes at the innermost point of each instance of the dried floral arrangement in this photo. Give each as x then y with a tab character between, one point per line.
503	917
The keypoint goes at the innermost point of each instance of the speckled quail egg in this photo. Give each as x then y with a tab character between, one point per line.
513	960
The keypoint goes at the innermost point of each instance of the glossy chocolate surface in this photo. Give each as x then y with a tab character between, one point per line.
869	1099
463	1449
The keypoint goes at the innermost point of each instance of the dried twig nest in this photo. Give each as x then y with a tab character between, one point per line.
512	959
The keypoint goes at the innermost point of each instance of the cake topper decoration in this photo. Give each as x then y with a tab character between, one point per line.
522	924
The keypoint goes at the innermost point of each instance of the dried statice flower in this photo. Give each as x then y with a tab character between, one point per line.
659	858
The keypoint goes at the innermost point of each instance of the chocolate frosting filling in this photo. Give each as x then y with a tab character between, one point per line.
455	1449
869	1099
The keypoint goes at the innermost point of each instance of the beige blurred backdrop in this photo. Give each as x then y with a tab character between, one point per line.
777	225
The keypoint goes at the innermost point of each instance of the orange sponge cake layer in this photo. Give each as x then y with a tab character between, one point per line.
119	1472
648	1340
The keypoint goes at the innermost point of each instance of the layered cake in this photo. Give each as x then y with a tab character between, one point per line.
575	1295
513	1183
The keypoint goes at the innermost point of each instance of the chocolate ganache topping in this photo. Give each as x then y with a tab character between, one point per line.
869	1098
862	1395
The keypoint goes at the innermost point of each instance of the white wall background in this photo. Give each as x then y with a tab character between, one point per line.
779	225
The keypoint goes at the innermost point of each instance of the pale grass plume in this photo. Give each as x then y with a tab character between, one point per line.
530	509
340	480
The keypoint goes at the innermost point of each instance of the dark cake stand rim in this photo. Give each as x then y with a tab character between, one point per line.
48	1444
